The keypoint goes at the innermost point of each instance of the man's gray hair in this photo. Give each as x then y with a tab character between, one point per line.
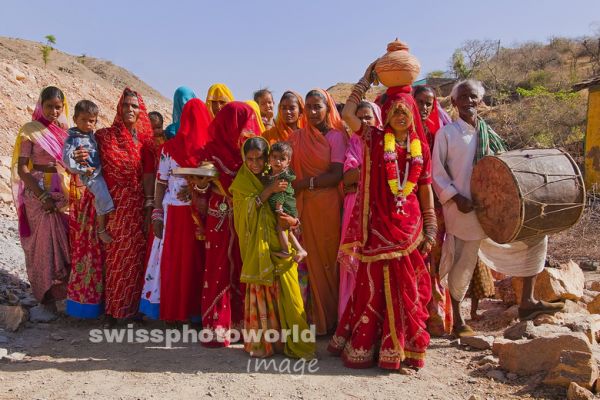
475	84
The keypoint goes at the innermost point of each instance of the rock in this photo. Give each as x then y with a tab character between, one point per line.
593	306
552	284
40	314
528	330
3	339
488	360
573	366
28	301
529	356
588	324
478	342
496	375
511	376
16	356
575	307
3	353
511	313
589	265
595	286
576	392
11	317
504	291
56	336
474	397
546	319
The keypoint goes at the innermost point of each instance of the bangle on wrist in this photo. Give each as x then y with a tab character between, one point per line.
311	183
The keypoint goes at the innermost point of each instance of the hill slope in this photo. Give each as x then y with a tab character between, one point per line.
23	75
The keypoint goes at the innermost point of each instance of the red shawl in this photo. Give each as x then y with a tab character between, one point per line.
376	231
231	127
121	155
191	136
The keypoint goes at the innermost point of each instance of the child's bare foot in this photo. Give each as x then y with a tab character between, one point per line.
300	255
105	237
281	254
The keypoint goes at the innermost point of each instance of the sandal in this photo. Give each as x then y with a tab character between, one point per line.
542	307
463	331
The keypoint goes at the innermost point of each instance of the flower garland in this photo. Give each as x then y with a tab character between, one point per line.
414	165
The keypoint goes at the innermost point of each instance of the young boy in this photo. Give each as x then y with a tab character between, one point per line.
264	99
82	137
284	202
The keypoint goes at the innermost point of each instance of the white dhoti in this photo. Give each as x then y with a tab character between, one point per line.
459	259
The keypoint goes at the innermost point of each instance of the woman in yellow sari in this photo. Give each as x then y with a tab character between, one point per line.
218	95
273	300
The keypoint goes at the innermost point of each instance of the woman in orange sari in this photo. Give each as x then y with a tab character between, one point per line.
289	118
392	225
318	161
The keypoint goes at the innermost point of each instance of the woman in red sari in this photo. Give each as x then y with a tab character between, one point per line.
392	223
128	164
222	293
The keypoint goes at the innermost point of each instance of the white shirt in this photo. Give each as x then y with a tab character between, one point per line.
166	166
452	165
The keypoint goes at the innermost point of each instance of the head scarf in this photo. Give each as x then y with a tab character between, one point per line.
256	109
218	92
121	155
333	119
50	137
226	133
280	132
191	136
377	113
182	95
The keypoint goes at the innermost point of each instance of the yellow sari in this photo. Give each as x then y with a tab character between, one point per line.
273	299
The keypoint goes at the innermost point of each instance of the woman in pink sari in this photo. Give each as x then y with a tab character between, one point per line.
370	115
40	190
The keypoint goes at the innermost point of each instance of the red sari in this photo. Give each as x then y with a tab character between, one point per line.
222	293
385	319
124	161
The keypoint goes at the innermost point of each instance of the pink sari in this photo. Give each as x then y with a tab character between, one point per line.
348	263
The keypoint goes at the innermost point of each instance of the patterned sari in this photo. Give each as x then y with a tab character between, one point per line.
44	237
273	298
385	319
119	284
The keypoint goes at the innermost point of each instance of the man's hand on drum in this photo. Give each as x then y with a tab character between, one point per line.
463	204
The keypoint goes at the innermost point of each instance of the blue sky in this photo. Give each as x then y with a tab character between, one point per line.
282	44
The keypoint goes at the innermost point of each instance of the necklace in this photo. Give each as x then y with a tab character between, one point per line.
412	168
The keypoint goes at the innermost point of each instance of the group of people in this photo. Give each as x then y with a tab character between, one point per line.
346	222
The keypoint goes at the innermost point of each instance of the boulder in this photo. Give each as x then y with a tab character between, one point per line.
576	392
573	366
529	356
587	324
546	319
553	284
478	342
11	317
504	291
528	330
593	306
594	285
496	375
575	307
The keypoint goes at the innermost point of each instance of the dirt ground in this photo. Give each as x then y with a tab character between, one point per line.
58	361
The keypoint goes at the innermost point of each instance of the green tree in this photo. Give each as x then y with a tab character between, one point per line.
47	48
438	73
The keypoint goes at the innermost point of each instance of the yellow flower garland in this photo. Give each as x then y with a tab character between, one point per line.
389	146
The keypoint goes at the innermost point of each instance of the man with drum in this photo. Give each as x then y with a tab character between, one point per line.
458	147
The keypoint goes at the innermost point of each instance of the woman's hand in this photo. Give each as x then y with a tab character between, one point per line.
425	246
184	194
157	228
81	155
278	186
199	181
49	205
286	221
369	75
147	219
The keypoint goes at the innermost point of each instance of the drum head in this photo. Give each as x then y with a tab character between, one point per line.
497	198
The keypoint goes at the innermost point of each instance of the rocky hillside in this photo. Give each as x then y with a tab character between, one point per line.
23	74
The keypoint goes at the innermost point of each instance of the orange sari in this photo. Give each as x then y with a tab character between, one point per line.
320	215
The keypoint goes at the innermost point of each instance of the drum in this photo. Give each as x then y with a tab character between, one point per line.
526	193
